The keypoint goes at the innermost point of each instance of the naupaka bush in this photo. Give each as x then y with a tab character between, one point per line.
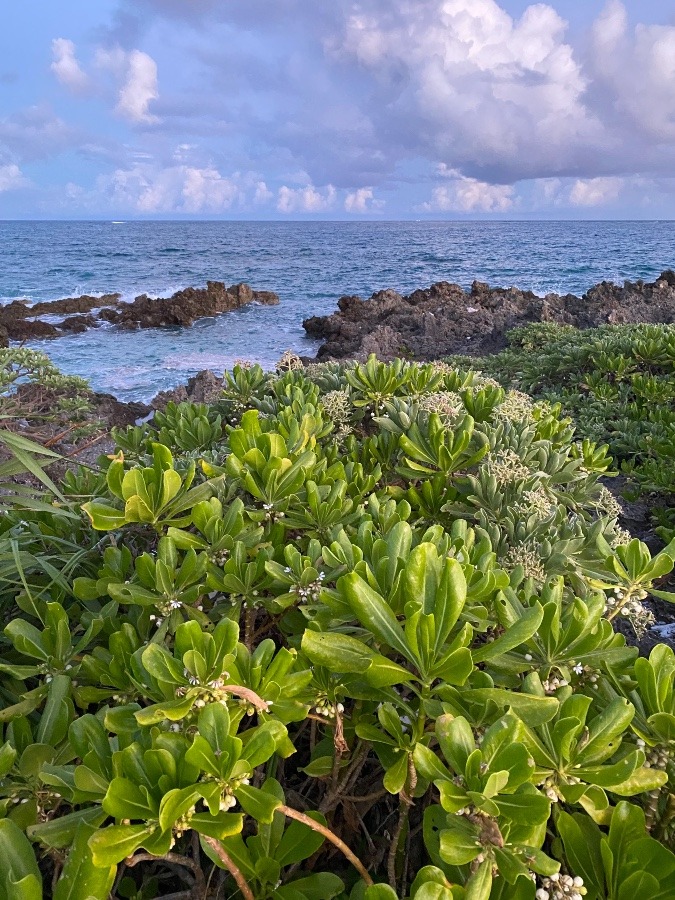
347	633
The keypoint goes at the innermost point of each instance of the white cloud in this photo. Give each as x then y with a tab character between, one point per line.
468	195
305	200
595	191
362	201
367	96
11	178
148	189
66	67
466	82
137	73
636	71
206	190
262	193
139	89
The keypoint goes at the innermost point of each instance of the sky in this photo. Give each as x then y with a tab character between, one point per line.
382	109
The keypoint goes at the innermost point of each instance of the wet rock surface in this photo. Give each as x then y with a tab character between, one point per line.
19	321
446	319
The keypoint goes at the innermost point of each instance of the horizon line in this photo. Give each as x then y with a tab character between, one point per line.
306	221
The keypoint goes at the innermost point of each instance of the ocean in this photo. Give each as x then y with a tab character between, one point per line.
309	264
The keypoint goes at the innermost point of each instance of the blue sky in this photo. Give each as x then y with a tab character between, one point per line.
378	109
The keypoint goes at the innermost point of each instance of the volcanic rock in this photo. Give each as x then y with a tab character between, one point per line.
185	307
204	387
19	320
445	319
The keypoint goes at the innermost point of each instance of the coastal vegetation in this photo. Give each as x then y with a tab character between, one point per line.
617	382
349	631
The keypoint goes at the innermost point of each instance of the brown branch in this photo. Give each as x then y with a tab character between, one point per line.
314	718
355	767
268	626
350	776
78	450
395	840
175	859
366	798
249	627
230	865
330	836
405	801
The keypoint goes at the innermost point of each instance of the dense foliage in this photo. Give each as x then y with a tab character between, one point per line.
345	633
618	384
33	389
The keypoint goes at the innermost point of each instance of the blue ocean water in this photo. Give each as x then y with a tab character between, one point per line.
309	264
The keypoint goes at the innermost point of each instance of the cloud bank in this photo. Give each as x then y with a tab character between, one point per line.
437	107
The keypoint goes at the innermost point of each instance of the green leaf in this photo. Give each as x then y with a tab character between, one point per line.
27	639
456	740
396	775
259	804
125	800
479	885
531	708
7	757
221	826
582	838
162	666
80	878
20	877
428	763
104	518
524	809
513	637
605	731
299	841
375	614
175	804
380	892
60	833
459	843
111	845
56	713
174	710
337	652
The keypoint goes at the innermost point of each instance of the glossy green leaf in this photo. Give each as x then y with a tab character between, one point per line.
80	878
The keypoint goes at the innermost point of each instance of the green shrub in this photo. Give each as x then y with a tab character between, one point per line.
617	382
51	392
356	642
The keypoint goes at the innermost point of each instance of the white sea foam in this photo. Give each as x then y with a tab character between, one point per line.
188	361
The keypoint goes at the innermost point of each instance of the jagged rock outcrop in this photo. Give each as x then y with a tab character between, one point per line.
204	387
446	319
20	321
185	307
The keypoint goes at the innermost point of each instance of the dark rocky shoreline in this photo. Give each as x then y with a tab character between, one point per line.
445	319
19	321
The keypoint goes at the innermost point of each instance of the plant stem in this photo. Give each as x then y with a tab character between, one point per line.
249	627
352	773
405	800
330	836
174	859
230	865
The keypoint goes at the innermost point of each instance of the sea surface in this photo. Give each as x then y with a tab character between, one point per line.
309	264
